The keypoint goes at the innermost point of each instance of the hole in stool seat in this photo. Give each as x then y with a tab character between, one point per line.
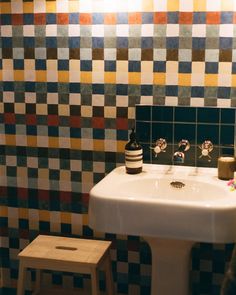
66	248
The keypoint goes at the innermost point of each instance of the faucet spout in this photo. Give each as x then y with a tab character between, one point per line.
179	155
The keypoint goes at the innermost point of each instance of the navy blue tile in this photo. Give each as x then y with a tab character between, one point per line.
143	113
208	132
185	67
110	65
146	90
211	68
29	42
198	43
18	64
233	67
73	18
223	92
40	64
74	42
197	91
147	17
51	18
184	131
122	42
28	18
159	66
146	42
162	113
173	17
86	65
134	66
185	114
171	90
228	116
208	115
162	130
98	18
226	135
172	42
122	18
97	42
199	17
225	43
143	130
226	17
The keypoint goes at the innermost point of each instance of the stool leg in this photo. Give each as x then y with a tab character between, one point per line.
109	280
21	279
38	281
95	282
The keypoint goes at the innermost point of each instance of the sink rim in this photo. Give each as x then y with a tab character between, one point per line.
209	223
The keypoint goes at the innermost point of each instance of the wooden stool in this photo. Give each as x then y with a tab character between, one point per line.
66	254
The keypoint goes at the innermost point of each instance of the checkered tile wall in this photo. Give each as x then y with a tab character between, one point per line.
71	73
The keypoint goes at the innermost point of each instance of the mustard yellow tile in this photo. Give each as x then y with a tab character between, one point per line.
75	143
110	77
172	5
110	112
63	76
233	81
63	110
51	6
23	213
211	79
73	6
159	78
5	7
199	5
41	76
3	211
184	80
85	219
98	145
120	145
28	7
0	75
147	5
53	142
19	75
86	77
32	141
65	217
43	173
44	215
227	5
10	139
134	78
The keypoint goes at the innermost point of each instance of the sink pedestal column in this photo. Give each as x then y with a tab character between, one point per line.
170	266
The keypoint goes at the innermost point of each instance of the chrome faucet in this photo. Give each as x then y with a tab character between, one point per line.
179	156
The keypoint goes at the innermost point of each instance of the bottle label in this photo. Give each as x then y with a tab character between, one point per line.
134	159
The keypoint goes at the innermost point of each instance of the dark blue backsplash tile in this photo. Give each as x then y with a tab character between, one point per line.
208	115
227	116
143	113
162	113
185	114
196	124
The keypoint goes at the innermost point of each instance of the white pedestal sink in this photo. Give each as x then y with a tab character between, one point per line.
171	207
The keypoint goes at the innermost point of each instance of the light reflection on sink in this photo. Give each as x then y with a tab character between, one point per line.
146	205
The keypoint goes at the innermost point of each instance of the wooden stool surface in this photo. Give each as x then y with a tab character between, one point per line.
82	251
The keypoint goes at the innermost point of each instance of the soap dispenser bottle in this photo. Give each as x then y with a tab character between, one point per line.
133	155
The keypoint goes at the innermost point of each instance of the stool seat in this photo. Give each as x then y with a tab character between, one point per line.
66	254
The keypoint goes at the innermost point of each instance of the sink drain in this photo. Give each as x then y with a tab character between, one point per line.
177	184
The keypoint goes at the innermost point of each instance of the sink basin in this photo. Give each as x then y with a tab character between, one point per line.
171	207
175	202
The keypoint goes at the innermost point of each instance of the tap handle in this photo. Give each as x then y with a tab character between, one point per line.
160	146
206	148
184	145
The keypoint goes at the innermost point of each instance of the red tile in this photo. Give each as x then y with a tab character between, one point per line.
186	18
65	197
39	18
98	122
22	193
43	195
62	19
75	121
135	18
85	19
213	18
9	118
110	19
122	123
17	19
160	18
53	120
31	119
